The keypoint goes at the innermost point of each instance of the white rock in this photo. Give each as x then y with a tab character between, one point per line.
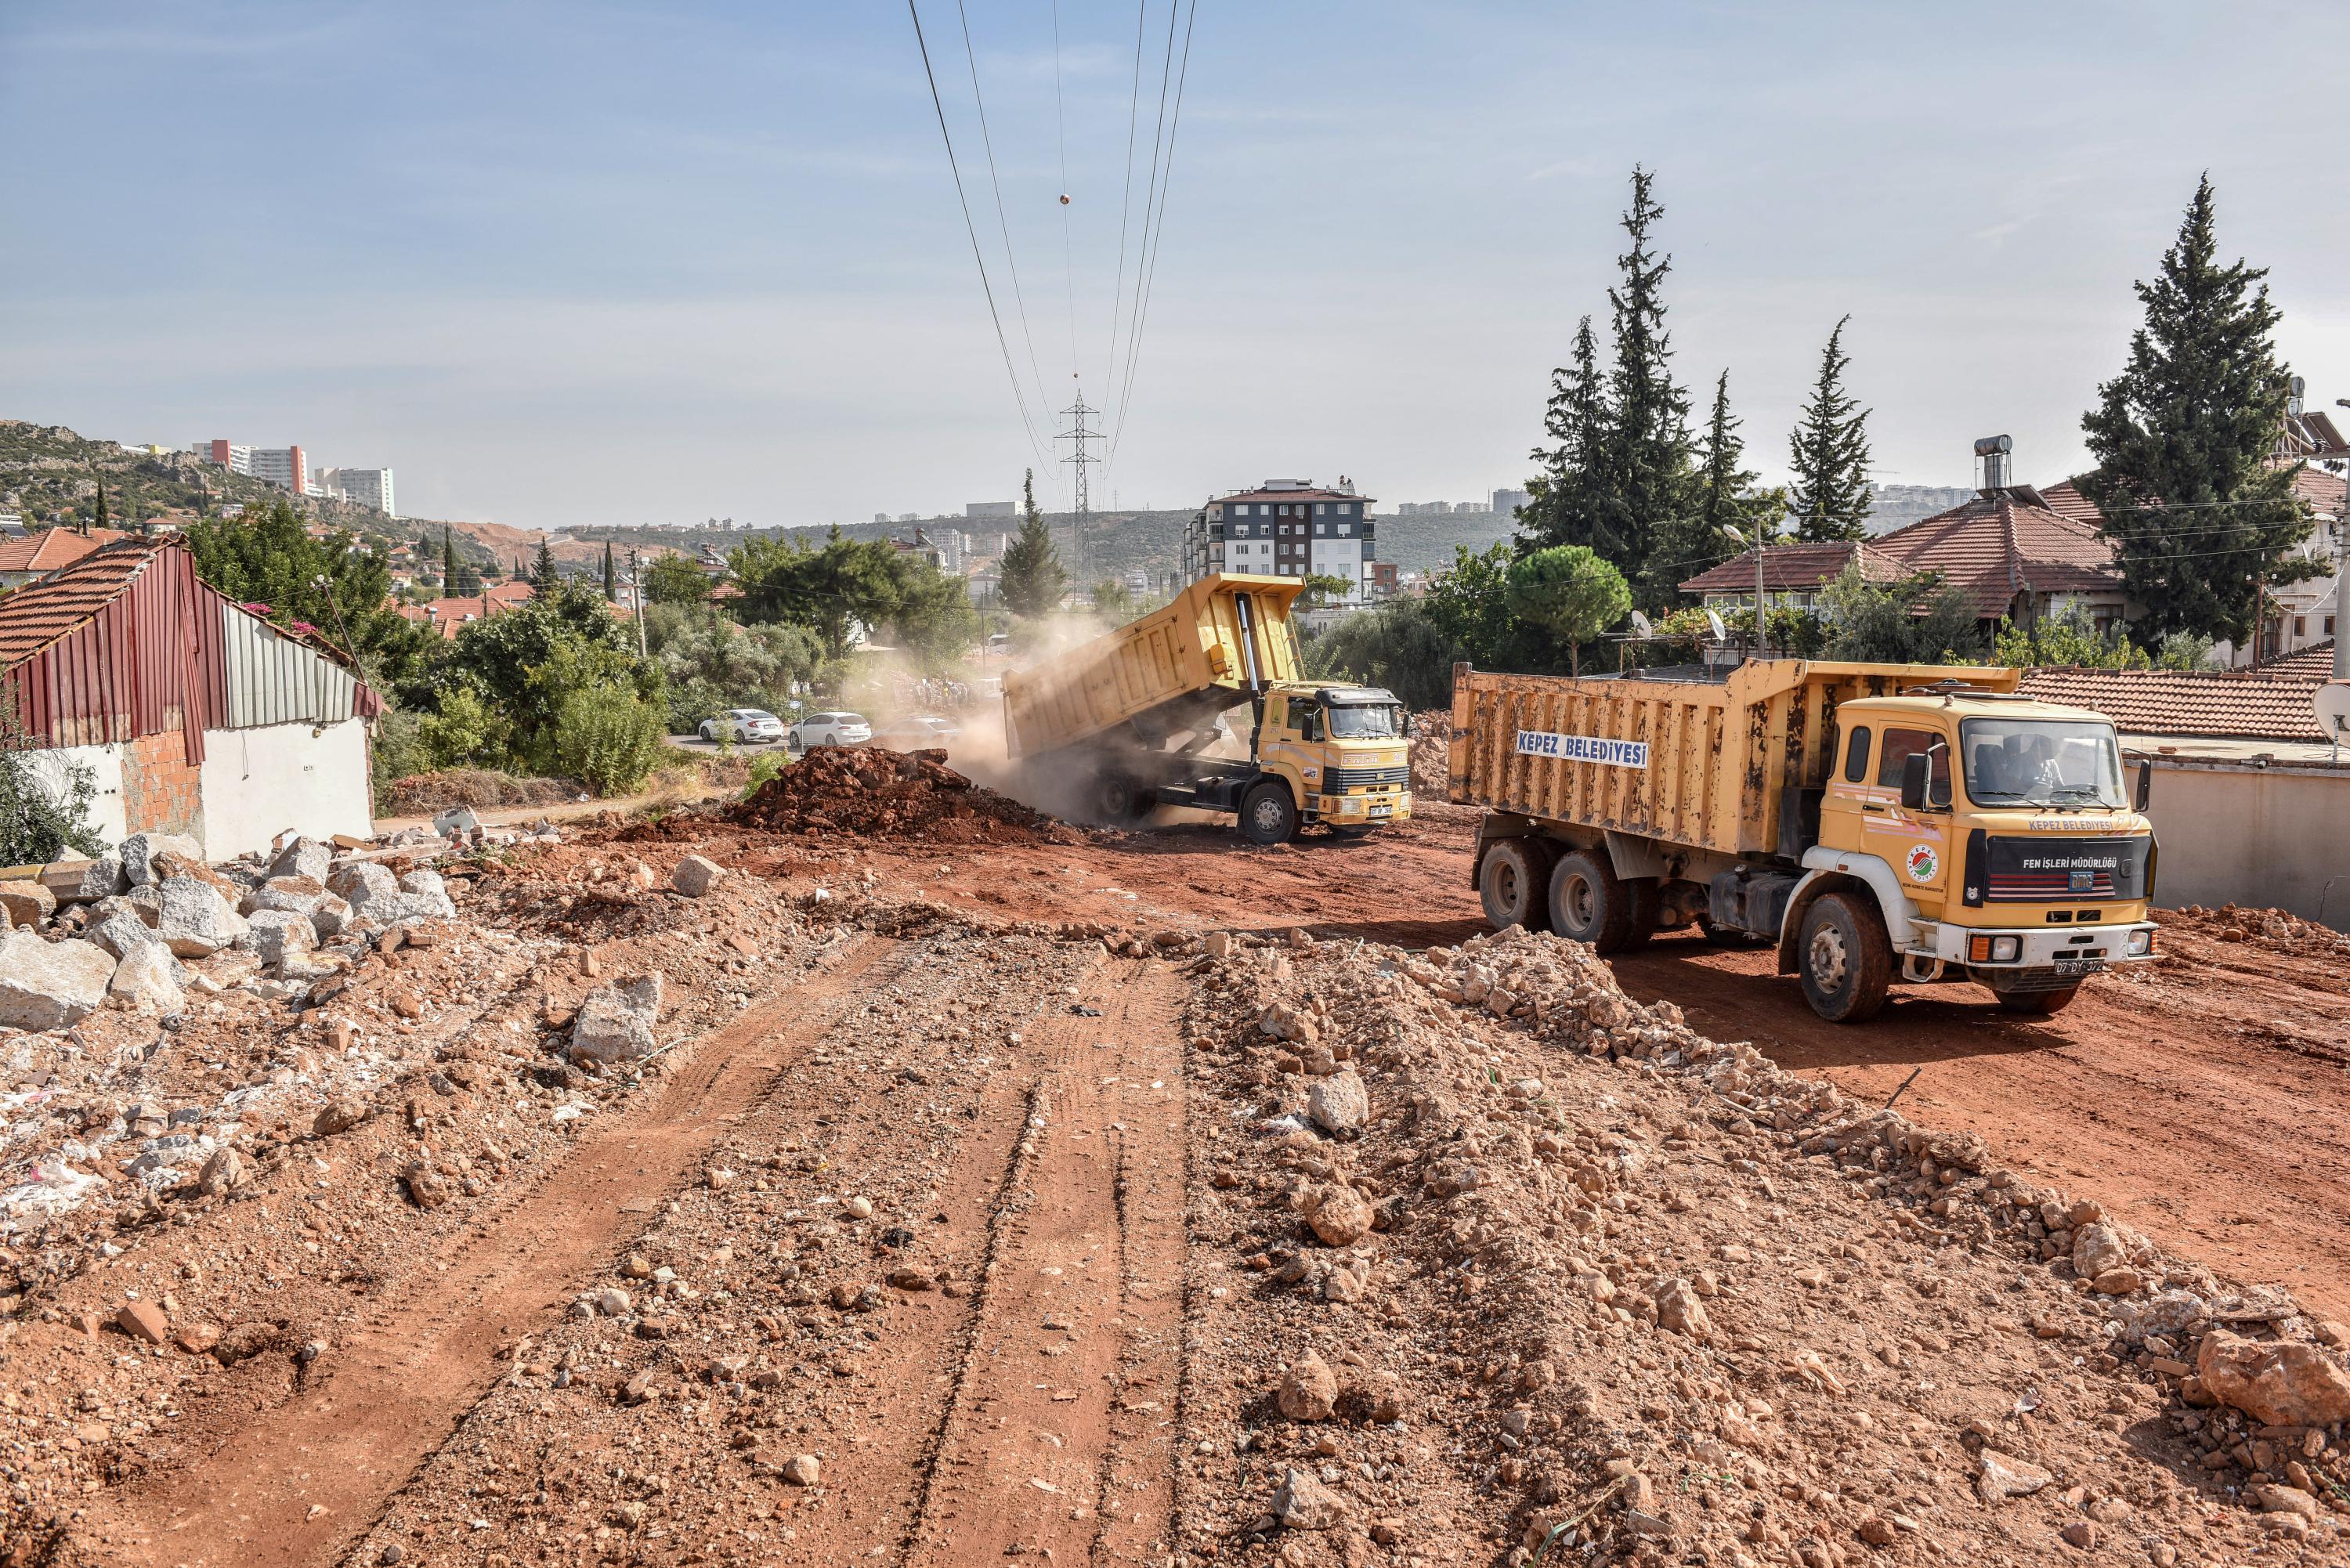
362	883
615	1024
1339	1103
303	856
193	919
146	976
278	934
695	875
140	849
50	985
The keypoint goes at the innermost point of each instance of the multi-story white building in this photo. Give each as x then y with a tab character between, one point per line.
1285	528
235	459
283	466
1506	502
366	486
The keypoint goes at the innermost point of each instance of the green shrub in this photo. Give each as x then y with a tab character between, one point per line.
608	738
766	766
36	825
460	731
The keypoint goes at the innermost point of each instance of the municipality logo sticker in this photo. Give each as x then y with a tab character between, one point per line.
1923	863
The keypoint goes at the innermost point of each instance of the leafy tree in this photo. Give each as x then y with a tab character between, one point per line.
38	822
611	581
2072	640
1031	577
674	580
101	501
525	662
1470	608
846	585
608	738
1112	602
463	728
1919	619
1570	591
1397	646
2196	514
1829	454
448	560
542	568
1561	500
267	556
709	664
1327	588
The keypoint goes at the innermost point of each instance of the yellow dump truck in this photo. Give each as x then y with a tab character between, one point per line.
1876	822
1136	716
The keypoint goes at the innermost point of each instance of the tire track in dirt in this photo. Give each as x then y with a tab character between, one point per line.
300	1482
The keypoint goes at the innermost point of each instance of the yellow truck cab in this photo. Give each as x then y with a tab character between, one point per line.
1878	823
1137	714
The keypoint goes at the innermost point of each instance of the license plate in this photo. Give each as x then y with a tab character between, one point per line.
2079	966
1380	809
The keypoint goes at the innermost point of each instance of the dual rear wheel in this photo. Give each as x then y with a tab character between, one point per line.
1539	885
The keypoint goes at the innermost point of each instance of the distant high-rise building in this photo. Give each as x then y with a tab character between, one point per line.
881	517
283	466
235	459
365	486
1284	528
909	517
991	509
1506	502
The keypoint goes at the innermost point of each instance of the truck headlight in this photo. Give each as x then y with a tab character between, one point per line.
2005	949
2141	942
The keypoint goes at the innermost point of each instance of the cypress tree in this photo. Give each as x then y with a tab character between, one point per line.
448	561
1829	454
1031	577
1723	496
1644	474
611	583
1560	499
2182	436
541	569
101	500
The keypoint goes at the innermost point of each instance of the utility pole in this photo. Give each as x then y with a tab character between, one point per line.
1077	435
2341	570
637	592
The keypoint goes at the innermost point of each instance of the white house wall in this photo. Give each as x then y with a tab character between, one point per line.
261	782
53	769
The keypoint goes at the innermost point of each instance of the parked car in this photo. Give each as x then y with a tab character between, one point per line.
830	730
755	725
914	732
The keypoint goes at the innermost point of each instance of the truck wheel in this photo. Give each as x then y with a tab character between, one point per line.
1845	959
1646	897
1268	814
1122	800
2040	1002
1514	883
1589	903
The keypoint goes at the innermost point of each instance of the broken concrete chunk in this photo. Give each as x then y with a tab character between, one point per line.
329	917
695	875
193	919
615	1024
1305	1503
139	852
298	894
301	856
278	934
120	934
2284	1383
362	883
147	978
454	821
1339	1103
2003	1476
98	879
426	896
25	904
50	985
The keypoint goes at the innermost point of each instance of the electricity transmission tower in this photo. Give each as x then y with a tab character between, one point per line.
1077	435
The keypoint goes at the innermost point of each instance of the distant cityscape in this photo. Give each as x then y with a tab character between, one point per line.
288	468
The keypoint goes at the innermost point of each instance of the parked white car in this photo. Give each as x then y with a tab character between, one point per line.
830	730
912	734
754	725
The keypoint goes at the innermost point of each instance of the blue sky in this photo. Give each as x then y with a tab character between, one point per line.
585	262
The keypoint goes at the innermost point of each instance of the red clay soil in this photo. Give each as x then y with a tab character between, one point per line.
875	792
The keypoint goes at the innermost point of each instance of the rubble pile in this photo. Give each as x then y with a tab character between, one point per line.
1543	1267
877	792
2275	931
1431	754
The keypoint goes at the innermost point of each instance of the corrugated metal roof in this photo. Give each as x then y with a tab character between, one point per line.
128	641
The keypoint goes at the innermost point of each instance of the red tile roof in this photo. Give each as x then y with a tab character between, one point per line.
1795	567
38	613
2269	704
2066	500
451	614
2321	490
50	548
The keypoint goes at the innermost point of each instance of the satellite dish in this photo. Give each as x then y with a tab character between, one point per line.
1640	624
1713	624
2332	704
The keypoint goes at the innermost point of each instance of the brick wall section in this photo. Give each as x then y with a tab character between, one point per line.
162	789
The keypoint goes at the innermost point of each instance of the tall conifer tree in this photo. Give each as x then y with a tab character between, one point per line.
1645	473
2183	436
1829	454
1560	499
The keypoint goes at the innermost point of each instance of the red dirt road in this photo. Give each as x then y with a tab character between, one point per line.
2205	1101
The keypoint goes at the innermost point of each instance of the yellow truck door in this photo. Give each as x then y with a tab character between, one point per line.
1918	844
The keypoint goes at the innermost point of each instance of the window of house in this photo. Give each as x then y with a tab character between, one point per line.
1900	745
1345	529
1320	507
2329	626
1855	760
2300	625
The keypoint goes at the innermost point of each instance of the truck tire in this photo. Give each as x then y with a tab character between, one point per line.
1268	815
1514	883
1589	903
1845	958
1647	899
1123	802
2040	1002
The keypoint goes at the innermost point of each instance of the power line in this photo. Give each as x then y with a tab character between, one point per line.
1003	224
1150	273
1061	134
1126	204
970	228
1149	194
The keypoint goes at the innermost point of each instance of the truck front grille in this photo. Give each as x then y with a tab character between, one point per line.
2063	870
1337	780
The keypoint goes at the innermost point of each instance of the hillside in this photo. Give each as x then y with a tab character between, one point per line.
51	475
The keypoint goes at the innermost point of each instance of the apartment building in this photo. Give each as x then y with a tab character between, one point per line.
1285	528
364	486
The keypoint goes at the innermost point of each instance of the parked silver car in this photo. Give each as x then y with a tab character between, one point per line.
915	733
754	725
830	730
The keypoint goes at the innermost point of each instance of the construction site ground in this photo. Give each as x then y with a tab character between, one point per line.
1005	1190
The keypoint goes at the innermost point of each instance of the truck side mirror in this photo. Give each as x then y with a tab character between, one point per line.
2144	785
1917	769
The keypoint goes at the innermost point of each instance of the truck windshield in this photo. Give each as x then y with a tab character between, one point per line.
1366	721
2041	762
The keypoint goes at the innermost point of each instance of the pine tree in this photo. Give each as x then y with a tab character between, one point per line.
2182	436
1724	497
1559	499
1031	577
611	582
448	561
1829	454
1644	476
541	569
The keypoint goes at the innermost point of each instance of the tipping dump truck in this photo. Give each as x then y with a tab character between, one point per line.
1876	822
1137	714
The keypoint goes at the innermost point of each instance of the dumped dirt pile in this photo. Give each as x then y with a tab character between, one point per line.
420	795
1432	749
1515	1258
2279	930
877	792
